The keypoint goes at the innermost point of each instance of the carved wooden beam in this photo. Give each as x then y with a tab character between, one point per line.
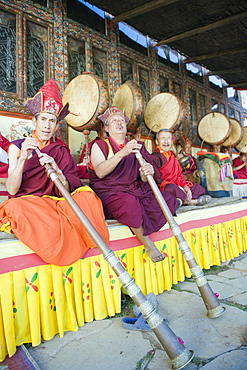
213	55
240	84
152	5
202	29
228	71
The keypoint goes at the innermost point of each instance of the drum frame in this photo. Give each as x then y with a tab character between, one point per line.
103	102
219	142
239	139
180	115
136	117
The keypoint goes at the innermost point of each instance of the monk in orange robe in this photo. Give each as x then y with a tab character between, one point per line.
36	213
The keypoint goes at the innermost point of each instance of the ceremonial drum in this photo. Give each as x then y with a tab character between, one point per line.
214	128
215	173
88	98
130	99
163	111
242	146
236	134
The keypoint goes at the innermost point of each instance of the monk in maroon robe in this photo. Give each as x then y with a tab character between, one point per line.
168	173
4	164
190	170
41	220
35	180
121	183
240	166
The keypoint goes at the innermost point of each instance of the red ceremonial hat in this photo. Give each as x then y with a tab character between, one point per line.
113	110
48	100
184	140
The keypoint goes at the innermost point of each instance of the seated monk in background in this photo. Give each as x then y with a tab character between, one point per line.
84	160
36	214
168	173
215	148
4	163
121	184
190	170
240	166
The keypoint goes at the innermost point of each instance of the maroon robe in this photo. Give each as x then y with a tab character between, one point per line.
126	197
168	175
242	173
192	163
35	180
4	144
46	224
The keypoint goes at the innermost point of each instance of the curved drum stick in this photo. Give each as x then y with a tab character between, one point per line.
175	350
214	309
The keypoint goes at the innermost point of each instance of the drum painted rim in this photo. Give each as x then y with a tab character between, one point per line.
236	125
242	146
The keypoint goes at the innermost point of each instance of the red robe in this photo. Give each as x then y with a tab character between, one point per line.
169	176
4	144
47	225
170	170
126	197
242	173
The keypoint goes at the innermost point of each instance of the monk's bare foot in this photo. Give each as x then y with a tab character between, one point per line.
154	254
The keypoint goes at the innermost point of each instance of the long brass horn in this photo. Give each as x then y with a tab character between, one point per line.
175	350
214	309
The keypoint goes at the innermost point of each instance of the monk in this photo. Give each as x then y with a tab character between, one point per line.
240	166
4	162
121	183
85	155
189	172
36	213
168	174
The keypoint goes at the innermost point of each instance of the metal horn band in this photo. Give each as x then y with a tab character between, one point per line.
175	350
214	309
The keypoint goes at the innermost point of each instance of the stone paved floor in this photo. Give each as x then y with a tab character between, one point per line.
218	344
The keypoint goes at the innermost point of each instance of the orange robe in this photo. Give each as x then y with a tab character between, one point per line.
49	226
45	222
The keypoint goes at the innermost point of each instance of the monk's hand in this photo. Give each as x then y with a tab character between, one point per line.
45	159
27	147
145	170
188	193
131	147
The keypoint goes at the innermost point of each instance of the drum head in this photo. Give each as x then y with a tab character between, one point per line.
88	98
242	146
236	134
130	99
163	111
214	128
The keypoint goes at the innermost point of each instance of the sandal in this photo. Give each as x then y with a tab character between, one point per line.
203	199
137	323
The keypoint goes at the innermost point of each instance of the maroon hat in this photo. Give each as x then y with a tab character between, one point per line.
48	100
113	110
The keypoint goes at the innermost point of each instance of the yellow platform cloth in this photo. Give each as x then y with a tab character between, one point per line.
41	301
